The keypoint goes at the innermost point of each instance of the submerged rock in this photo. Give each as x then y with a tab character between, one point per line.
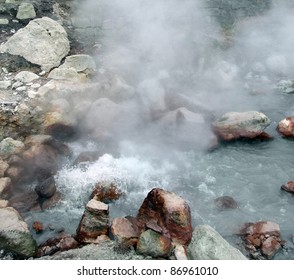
225	202
288	187
14	234
238	125
170	212
207	244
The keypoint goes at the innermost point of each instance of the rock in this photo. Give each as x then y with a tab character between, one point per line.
153	244
26	77
235	125
60	125
286	127
41	161
3	167
68	74
46	188
26	11
87	156
9	146
4	203
14	234
15	173
67	243
225	202
286	86
180	252
106	192
5	84
4	21
124	232
5	185
170	212
45	40
38	227
262	238
94	222
207	244
288	187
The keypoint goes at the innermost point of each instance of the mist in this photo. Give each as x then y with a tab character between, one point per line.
174	54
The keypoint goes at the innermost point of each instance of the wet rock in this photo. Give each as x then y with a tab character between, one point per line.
45	40
14	234
9	146
225	202
286	127
38	227
5	185
124	232
26	77
25	11
288	187
46	188
3	167
106	192
262	238
207	244
170	212
238	125
153	244
94	222
67	243
88	156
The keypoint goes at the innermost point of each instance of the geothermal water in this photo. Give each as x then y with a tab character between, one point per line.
226	69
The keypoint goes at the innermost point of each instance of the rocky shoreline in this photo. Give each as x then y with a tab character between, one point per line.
51	90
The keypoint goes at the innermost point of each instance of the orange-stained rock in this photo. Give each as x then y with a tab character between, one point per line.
106	192
286	127
288	187
171	213
38	227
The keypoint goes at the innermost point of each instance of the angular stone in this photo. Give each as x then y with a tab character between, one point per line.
14	234
236	125
171	213
95	221
45	41
5	184
207	244
270	247
26	11
80	62
180	252
153	244
124	232
261	228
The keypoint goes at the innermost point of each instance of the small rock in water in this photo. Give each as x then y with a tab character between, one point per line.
225	202
288	187
286	127
38	227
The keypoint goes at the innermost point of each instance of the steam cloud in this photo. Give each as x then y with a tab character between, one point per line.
162	48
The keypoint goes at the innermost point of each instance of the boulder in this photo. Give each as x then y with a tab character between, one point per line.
170	212
288	187
286	127
241	125
25	11
207	244
262	238
45	41
153	244
46	188
124	232
94	222
14	234
26	77
225	202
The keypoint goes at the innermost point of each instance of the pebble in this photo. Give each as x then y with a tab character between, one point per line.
16	85
22	88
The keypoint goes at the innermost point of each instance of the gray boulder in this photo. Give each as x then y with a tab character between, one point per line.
207	244
14	234
45	41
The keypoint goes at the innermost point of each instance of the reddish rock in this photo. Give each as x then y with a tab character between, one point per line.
67	243
171	213
94	222
38	227
238	125
286	127
106	192
288	187
225	202
125	232
262	238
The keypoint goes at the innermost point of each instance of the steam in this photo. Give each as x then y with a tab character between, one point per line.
166	48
